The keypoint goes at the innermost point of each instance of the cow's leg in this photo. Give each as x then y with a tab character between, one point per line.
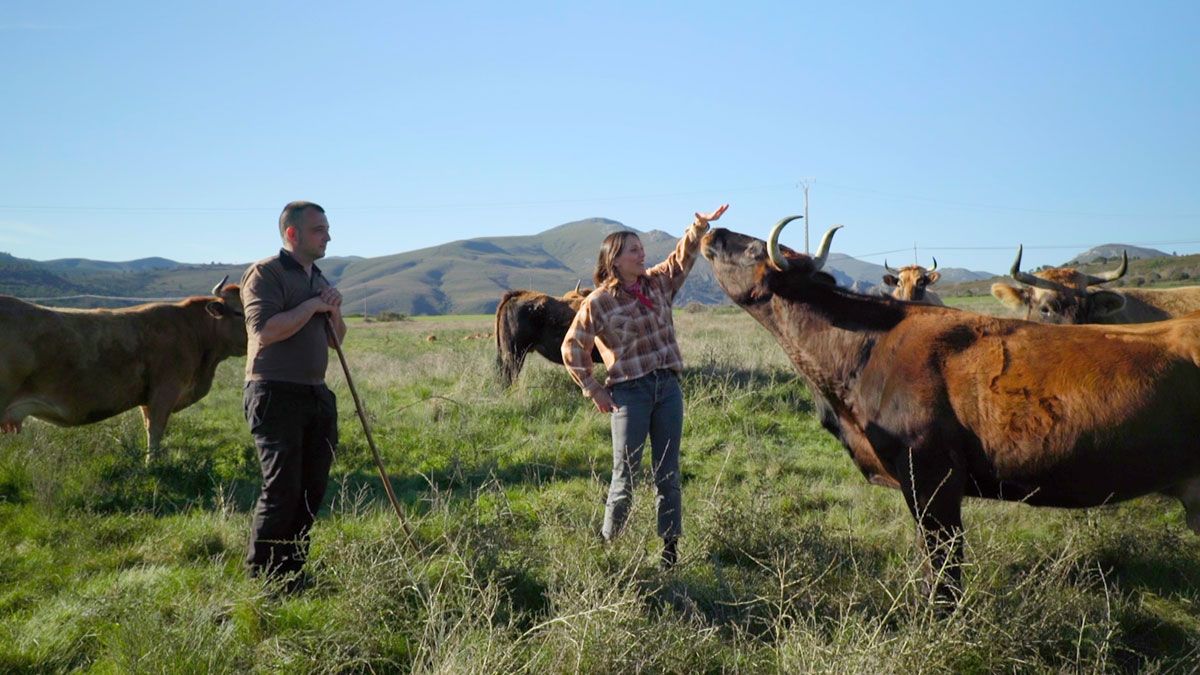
1188	493
933	490
11	416
155	415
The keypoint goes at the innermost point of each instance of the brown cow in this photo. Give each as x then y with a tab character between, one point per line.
945	404
911	283
73	367
529	320
1064	295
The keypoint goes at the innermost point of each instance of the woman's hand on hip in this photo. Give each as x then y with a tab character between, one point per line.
604	401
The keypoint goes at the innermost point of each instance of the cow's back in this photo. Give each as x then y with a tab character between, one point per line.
1143	305
80	366
1088	415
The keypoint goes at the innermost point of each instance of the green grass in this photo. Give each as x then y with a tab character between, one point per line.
791	562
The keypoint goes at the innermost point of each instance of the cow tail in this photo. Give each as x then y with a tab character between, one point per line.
508	362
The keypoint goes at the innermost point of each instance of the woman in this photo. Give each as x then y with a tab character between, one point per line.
628	318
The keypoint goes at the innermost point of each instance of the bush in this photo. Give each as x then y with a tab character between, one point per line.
387	316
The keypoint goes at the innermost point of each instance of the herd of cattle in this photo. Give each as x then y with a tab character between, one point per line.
942	403
938	402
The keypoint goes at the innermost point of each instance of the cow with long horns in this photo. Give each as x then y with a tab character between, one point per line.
1066	295
911	283
533	321
73	367
945	404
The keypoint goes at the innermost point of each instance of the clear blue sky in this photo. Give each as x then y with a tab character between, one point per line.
135	129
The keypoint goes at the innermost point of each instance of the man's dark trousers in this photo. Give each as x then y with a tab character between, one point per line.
295	430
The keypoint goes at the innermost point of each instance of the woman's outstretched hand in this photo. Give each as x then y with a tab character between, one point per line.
703	219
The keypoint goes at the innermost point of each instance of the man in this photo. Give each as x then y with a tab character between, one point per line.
290	307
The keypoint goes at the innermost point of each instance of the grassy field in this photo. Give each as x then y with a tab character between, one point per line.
790	561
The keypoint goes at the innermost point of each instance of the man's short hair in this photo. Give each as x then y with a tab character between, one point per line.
293	214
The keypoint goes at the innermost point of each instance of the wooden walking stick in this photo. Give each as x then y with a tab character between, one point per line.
362	416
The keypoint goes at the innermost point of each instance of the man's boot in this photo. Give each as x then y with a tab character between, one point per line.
670	552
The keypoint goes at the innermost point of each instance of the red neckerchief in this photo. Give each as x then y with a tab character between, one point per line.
636	290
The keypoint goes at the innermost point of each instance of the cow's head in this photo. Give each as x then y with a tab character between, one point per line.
1061	294
749	269
909	283
226	308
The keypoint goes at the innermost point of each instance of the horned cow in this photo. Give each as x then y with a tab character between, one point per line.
74	367
912	283
944	404
1066	295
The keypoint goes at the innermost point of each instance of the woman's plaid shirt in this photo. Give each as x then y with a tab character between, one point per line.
633	339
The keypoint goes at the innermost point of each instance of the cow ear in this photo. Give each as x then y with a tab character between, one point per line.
1105	303
216	309
890	280
934	276
1013	298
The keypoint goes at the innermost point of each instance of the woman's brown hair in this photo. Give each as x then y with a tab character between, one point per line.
609	250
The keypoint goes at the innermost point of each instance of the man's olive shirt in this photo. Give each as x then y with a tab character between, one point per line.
276	285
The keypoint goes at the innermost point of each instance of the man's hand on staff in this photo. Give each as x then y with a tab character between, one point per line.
332	297
331	302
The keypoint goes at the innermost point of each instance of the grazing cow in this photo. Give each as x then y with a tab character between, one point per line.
1064	295
528	320
911	283
73	367
945	404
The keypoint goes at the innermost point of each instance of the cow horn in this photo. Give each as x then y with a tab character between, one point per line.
221	284
1025	277
1111	275
773	252
885	266
578	283
823	249
934	265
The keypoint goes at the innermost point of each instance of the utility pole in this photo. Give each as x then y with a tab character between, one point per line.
804	182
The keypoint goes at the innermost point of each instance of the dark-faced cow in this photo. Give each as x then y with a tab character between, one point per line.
529	320
1065	295
73	367
912	283
945	404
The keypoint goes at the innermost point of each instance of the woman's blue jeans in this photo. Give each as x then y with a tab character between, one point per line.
649	405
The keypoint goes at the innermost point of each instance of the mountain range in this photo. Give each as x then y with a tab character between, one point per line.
460	277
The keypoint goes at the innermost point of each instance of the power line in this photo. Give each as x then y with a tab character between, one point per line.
404	207
804	183
1029	247
996	207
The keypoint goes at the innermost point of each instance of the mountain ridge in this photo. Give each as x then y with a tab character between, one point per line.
466	276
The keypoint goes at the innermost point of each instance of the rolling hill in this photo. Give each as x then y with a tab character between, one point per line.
469	276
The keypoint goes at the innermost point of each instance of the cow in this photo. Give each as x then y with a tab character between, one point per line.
911	283
529	320
73	367
945	404
1065	295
